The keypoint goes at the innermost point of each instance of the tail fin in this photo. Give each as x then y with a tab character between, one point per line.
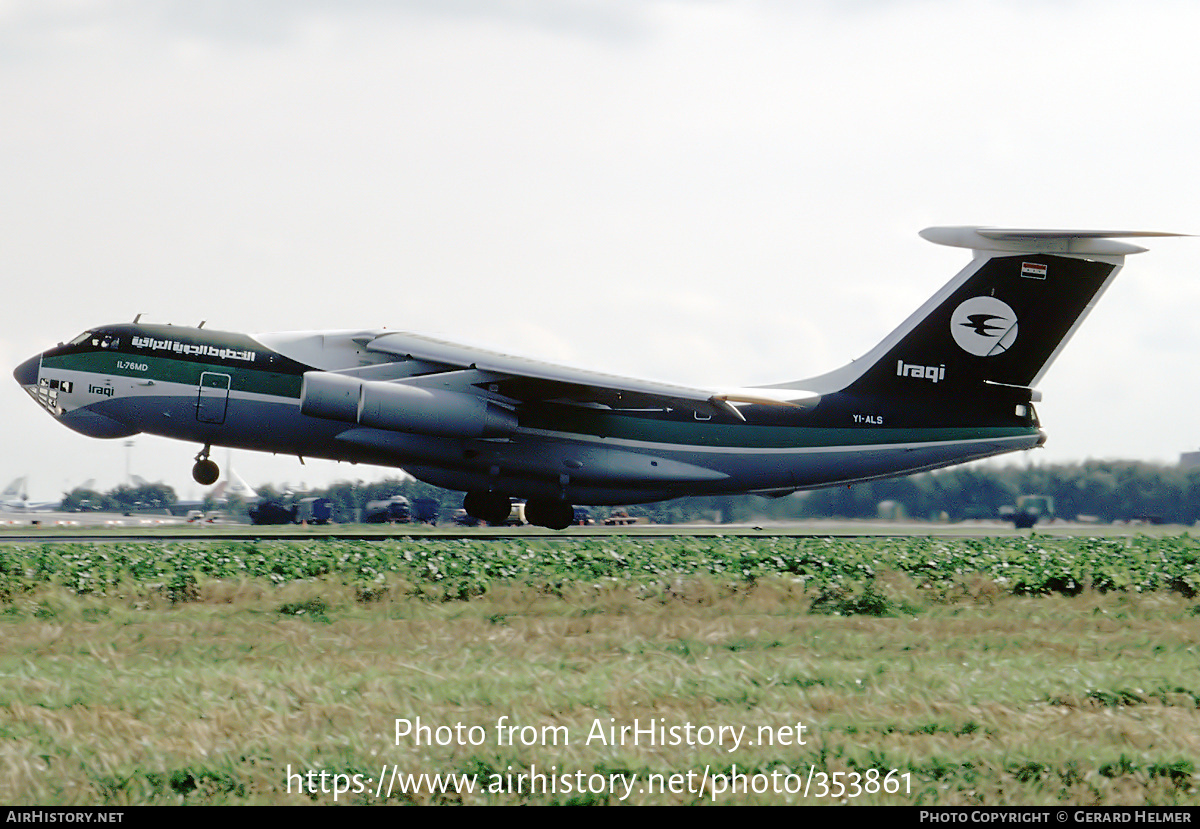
15	490
991	333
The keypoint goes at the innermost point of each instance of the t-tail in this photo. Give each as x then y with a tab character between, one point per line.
972	355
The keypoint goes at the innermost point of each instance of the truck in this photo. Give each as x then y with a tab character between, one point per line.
394	510
1029	510
272	512
620	518
314	511
426	510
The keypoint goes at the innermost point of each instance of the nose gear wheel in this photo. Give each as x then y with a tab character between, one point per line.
205	471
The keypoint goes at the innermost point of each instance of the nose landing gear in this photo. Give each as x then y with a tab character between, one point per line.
205	471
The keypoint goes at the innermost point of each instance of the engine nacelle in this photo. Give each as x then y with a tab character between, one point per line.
330	396
403	408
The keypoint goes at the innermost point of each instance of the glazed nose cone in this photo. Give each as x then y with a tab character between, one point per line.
27	372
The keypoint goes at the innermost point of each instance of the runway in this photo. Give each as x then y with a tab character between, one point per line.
42	520
66	527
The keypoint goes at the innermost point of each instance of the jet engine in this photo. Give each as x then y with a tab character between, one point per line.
403	408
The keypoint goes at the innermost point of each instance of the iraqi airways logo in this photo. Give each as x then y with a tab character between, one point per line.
984	326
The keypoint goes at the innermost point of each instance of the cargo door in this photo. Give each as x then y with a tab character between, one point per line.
213	397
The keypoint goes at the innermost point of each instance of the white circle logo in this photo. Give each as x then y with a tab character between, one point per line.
984	326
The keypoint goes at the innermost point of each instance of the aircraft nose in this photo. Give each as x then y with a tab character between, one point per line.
27	372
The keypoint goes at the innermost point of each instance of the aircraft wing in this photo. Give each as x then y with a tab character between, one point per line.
455	367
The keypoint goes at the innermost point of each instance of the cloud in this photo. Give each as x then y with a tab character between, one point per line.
33	25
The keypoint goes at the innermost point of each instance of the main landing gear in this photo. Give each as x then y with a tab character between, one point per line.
549	512
492	507
495	507
205	471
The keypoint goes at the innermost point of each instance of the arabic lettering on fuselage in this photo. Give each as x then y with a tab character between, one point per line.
193	349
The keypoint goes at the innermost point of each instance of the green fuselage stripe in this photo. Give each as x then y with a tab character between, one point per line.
168	370
688	432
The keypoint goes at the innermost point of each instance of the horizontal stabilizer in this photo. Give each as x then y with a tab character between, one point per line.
1019	240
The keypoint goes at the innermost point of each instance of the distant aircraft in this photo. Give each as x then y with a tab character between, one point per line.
15	496
955	382
237	486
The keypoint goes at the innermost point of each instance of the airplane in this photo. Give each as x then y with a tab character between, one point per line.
15	496
236	485
955	382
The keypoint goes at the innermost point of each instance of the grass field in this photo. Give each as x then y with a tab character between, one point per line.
1015	671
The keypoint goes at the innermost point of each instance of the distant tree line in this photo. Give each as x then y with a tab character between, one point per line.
1103	491
149	497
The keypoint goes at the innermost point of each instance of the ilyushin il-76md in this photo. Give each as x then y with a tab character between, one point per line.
955	382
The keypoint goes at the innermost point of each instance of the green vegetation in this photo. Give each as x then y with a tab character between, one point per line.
1017	670
458	569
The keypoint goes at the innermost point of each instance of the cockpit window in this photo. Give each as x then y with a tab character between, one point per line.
96	339
104	339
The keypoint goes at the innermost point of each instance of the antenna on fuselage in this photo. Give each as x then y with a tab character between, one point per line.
135	319
201	325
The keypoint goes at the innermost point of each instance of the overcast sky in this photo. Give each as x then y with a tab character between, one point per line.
709	192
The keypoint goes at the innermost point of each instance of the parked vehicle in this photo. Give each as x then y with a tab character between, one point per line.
426	510
272	512
314	510
619	518
394	510
1029	510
